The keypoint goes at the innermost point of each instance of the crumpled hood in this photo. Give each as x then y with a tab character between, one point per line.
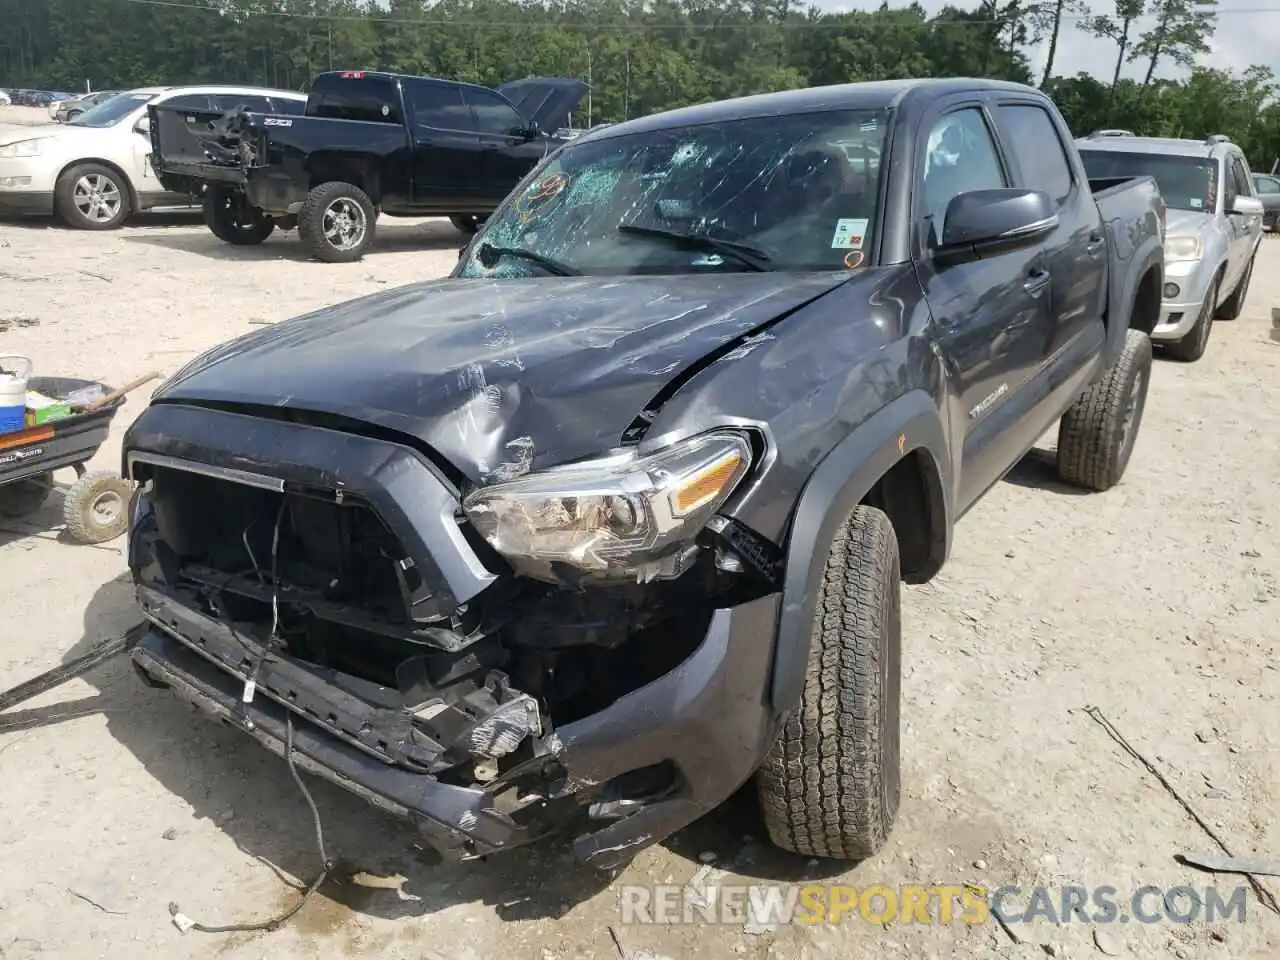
497	376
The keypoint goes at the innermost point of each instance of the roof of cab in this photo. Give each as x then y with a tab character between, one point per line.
876	95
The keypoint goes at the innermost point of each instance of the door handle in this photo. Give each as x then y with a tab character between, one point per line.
1036	281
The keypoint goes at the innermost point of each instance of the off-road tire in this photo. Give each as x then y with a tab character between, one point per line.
1192	346
1096	435
468	224
830	785
23	497
97	507
72	115
311	221
64	197
1233	306
232	220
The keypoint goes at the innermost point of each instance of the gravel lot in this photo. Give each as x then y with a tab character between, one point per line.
1157	602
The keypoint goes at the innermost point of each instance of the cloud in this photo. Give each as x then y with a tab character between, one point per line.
1244	36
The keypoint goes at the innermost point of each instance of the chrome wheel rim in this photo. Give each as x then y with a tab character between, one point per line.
344	224
98	198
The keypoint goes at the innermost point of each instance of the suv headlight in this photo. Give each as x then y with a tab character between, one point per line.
614	515
23	148
1182	248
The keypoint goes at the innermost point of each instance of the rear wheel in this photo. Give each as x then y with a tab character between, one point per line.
90	196
1097	433
829	787
467	224
1191	347
231	219
97	507
25	496
337	222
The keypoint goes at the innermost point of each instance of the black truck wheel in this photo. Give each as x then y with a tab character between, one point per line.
829	787
1192	346
337	222
1097	433
97	507
89	196
232	220
468	224
1233	306
23	497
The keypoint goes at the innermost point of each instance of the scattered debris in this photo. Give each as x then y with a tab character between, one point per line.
21	323
1216	864
1265	896
394	882
980	864
104	900
1106	943
169	834
706	857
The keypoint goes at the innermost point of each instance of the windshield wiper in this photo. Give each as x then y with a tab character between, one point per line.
489	254
745	253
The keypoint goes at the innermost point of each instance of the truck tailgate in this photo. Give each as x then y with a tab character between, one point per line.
187	143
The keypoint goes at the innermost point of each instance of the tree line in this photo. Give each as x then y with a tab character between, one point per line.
642	56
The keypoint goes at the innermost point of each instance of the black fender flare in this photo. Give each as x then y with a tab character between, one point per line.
841	481
1124	296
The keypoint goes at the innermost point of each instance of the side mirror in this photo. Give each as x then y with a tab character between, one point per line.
1247	206
984	223
143	126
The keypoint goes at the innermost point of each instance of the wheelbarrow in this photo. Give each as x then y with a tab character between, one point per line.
96	507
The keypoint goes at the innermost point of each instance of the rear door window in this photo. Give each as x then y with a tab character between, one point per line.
242	101
368	97
438	106
493	114
190	101
1030	134
288	105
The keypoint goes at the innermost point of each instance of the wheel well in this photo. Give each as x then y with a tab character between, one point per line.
345	170
1146	303
114	168
910	495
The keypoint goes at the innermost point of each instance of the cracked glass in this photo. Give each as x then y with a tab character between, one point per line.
790	193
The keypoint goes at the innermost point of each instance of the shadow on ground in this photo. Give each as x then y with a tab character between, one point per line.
46	522
1038	470
250	795
284	245
182	217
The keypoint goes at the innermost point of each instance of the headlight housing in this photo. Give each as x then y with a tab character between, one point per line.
625	516
23	148
1182	248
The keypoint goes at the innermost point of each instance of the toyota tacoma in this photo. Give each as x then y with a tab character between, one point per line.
585	536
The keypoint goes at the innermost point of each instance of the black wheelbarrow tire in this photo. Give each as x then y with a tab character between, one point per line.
23	497
97	507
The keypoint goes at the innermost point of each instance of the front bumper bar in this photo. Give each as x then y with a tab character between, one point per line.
707	717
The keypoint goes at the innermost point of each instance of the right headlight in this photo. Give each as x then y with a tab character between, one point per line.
615	515
23	148
1182	248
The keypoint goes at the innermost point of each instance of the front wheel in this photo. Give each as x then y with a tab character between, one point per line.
1192	346
830	785
90	196
97	507
1233	306
1097	433
337	222
232	220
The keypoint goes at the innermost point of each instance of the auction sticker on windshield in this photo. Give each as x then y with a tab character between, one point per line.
849	234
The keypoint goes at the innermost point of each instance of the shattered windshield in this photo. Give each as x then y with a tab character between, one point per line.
794	193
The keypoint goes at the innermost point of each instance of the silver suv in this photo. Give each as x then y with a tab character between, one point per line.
1213	226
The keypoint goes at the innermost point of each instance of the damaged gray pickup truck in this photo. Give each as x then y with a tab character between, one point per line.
585	536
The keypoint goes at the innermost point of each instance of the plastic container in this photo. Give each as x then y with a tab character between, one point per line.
14	373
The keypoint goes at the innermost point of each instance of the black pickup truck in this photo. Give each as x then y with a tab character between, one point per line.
365	143
613	519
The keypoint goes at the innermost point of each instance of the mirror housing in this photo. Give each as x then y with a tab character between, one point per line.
1247	206
143	126
985	223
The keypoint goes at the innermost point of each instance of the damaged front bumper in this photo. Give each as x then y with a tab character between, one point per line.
707	719
484	721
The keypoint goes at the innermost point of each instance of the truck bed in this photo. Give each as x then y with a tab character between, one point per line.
1133	215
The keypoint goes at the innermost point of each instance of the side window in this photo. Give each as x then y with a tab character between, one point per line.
960	156
288	106
237	101
1267	184
437	105
370	98
1244	186
1034	140
493	113
190	101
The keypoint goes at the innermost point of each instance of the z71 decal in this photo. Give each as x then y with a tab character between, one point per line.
276	122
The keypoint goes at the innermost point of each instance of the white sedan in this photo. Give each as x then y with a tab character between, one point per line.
96	171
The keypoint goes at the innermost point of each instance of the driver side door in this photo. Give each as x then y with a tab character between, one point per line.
150	191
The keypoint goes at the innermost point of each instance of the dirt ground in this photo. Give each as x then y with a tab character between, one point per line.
1156	602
